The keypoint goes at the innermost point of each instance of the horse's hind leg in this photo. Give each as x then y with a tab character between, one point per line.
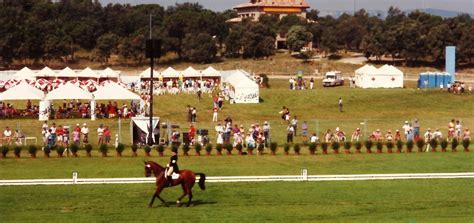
178	202
190	195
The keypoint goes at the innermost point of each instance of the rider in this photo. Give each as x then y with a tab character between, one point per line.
172	167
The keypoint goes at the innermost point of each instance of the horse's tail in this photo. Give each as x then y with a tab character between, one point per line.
202	179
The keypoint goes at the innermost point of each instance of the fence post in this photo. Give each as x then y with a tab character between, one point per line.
74	177
304	174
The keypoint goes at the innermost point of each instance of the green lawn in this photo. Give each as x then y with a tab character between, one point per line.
363	201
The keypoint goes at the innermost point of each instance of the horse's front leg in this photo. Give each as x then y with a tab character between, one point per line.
152	200
157	194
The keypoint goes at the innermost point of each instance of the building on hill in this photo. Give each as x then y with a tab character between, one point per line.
281	8
255	8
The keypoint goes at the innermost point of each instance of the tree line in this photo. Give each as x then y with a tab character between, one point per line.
41	31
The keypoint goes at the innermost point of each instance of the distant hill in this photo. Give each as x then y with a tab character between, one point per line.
382	14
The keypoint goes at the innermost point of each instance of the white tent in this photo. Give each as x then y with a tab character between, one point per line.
142	124
88	73
109	73
113	91
147	74
22	91
46	72
170	73
191	72
25	73
68	91
66	72
386	76
245	89
211	72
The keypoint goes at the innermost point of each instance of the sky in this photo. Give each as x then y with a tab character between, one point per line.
328	5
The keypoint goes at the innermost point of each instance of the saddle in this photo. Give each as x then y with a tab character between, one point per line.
175	176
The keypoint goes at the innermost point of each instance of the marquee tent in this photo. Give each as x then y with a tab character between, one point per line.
139	127
22	91
245	89
25	74
211	72
191	72
146	74
170	73
46	72
113	91
68	91
109	73
67	72
88	73
386	76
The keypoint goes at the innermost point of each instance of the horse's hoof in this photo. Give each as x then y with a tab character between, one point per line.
150	206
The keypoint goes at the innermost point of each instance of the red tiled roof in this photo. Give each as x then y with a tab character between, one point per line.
274	3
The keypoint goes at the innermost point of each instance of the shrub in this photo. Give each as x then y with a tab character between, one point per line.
208	148
434	144
312	147
420	144
390	145
120	148
454	144
174	148
273	146
135	148
296	148
399	145
75	148
186	148
60	150
335	146
410	144
265	80
286	147
369	144
347	145
104	148
358	145
444	144
465	143
379	145
219	148
5	149
17	150
88	148
228	147
260	147
324	146
32	149
239	147
198	147
47	150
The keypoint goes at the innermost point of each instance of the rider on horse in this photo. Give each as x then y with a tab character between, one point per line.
172	167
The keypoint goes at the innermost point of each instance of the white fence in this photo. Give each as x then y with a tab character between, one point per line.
228	179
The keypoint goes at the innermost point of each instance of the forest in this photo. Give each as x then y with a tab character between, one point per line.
40	32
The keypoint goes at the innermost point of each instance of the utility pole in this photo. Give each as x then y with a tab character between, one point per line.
150	131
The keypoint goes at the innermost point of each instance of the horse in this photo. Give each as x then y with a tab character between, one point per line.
186	179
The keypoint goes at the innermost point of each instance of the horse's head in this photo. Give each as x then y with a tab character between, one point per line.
148	169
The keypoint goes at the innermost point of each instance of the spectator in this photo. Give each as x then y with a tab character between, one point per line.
311	83
18	137
294	123
250	141
437	135
266	132
85	133
76	135
193	115
398	137
214	114
340	104
290	132
416	129
428	136
389	136
356	135
59	135
328	136
458	128
100	135
467	134
406	127
314	138
107	134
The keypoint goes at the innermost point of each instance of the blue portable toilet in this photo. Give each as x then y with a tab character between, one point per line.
448	78
421	80
440	79
431	80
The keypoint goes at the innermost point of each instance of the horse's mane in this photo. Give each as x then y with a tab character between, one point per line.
155	166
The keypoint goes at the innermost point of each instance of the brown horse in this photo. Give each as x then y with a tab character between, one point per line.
186	179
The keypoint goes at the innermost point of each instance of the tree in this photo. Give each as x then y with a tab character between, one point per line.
297	37
106	44
258	41
200	49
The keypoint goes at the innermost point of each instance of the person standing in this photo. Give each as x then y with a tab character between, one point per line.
85	133
107	134
340	104
215	110
294	123
428	136
193	115
458	128
311	83
356	135
290	132
7	135
406	127
266	132
100	135
416	129
190	111
304	132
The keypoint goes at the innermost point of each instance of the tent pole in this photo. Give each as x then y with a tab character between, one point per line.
150	131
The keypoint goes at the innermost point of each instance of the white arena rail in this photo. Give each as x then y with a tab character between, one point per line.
227	179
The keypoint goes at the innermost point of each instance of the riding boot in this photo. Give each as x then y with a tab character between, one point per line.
169	181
